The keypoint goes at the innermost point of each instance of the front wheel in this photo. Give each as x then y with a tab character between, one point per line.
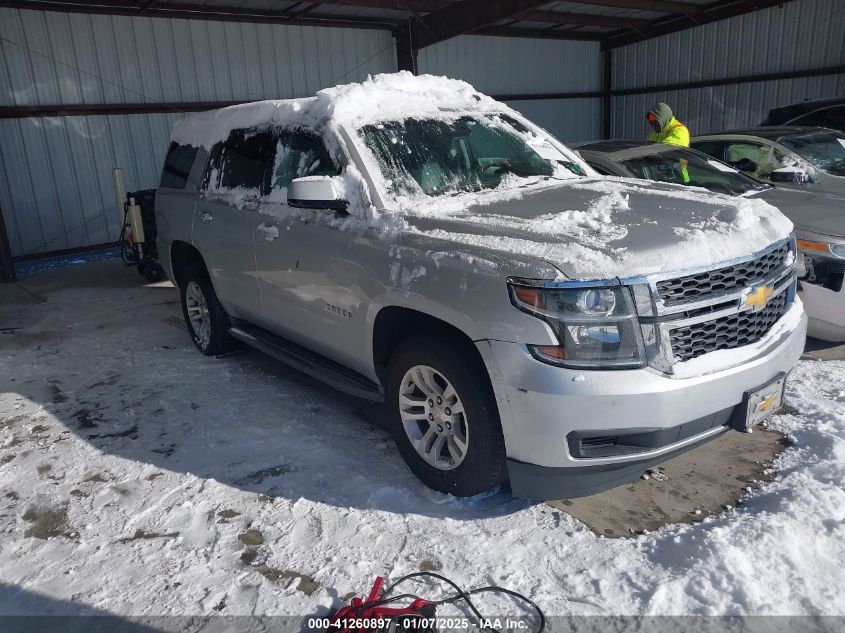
207	322
444	417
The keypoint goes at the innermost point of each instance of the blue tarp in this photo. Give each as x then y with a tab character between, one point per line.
30	266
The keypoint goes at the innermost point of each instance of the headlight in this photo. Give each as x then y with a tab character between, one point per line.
596	327
822	249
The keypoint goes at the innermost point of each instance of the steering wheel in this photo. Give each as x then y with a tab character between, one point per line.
502	165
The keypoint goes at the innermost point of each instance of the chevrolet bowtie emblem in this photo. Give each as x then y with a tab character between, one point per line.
767	403
759	297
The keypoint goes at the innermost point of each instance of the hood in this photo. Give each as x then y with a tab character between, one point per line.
609	227
815	212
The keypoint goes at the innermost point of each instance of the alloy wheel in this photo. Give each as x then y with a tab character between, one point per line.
198	315
433	417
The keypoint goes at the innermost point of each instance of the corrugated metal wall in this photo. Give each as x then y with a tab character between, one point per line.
801	35
508	65
721	108
570	120
55	173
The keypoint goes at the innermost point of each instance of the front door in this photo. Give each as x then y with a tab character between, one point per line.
307	266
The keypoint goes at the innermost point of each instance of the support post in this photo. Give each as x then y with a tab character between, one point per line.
607	80
7	266
406	54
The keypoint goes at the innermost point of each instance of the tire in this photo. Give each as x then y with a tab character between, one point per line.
153	272
210	328
448	370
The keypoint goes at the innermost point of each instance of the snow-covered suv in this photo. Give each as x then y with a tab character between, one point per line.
412	241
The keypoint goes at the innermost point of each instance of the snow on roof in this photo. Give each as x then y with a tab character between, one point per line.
380	98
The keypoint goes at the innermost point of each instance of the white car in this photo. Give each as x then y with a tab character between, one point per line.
800	161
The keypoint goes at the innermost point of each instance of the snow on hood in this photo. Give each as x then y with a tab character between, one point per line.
609	227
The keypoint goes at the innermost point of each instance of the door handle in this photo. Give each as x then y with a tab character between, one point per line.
205	217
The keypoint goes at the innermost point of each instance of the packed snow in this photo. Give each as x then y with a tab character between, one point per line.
140	477
585	237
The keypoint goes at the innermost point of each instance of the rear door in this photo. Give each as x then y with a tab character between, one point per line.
236	177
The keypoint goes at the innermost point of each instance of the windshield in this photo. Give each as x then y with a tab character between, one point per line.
683	167
825	150
436	157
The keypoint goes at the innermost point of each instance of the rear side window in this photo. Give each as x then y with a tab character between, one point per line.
715	149
830	117
244	161
177	166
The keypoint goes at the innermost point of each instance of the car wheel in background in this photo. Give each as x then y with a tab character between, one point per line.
444	417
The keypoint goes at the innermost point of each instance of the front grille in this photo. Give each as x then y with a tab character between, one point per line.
735	330
725	280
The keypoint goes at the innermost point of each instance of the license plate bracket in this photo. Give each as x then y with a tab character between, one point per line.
758	404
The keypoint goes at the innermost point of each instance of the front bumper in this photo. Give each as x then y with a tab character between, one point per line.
543	407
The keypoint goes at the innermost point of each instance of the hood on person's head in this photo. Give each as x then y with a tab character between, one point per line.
662	113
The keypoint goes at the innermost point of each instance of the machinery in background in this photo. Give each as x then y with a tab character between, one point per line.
137	242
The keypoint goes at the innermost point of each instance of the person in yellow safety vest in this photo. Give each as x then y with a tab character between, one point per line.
666	128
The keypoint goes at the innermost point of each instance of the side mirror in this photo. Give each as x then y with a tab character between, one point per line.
744	164
315	192
790	174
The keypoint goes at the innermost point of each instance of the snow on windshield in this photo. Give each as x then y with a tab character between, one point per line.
433	157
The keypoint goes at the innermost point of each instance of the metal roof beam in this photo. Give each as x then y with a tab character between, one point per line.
661	6
200	12
544	34
584	19
711	13
463	17
424	6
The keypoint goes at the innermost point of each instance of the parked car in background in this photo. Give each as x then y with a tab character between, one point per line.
411	241
810	156
829	113
819	218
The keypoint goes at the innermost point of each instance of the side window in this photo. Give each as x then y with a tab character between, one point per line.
602	170
836	118
298	155
716	149
747	156
829	117
177	166
244	161
811	119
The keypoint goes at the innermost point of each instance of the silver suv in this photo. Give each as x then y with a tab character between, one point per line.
410	241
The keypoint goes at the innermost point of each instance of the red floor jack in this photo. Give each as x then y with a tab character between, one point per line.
374	616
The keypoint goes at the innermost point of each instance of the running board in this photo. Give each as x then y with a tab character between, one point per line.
308	362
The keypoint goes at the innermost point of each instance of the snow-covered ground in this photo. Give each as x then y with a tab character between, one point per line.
139	477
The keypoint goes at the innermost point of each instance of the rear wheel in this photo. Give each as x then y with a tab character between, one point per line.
444	417
207	322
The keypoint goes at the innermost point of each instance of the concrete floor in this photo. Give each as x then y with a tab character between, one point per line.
686	489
